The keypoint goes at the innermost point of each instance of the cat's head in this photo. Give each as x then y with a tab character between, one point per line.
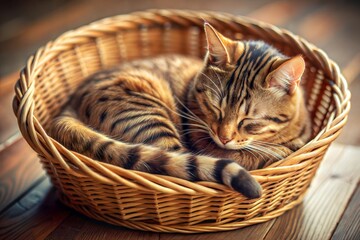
247	90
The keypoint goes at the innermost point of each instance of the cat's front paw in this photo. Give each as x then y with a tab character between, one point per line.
246	184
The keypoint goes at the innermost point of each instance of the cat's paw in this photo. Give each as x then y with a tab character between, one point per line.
246	184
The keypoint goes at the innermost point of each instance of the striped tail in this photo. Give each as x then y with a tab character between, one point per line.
76	136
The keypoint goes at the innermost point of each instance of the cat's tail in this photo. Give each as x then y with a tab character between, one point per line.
78	137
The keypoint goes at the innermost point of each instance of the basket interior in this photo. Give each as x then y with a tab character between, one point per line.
62	74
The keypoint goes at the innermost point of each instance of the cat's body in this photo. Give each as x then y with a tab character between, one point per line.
174	115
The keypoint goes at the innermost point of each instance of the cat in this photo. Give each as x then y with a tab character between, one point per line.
239	109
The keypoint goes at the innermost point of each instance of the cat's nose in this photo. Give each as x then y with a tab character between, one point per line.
224	140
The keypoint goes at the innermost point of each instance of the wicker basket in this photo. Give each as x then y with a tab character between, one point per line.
160	203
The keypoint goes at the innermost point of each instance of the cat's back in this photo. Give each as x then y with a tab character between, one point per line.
159	76
172	70
130	85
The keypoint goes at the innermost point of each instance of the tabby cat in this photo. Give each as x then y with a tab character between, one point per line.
240	109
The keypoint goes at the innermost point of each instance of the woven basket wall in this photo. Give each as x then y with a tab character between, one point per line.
160	203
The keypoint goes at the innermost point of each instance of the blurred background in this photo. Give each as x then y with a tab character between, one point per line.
26	25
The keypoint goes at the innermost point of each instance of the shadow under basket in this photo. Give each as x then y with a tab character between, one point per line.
160	203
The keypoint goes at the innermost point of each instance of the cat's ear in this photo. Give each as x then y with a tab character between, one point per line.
288	75
217	46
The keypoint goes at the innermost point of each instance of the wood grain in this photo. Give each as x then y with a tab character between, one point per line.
19	170
8	122
77	226
90	232
349	225
323	206
258	231
35	215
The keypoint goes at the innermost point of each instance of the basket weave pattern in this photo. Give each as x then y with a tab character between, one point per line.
160	203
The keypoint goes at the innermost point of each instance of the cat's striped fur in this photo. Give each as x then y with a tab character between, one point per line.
177	116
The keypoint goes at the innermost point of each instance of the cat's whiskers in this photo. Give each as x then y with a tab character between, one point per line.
213	90
196	130
201	151
195	125
201	139
257	151
275	146
260	155
251	152
192	131
277	152
187	116
193	114
281	138
264	155
267	143
218	78
184	115
219	92
190	113
265	151
146	165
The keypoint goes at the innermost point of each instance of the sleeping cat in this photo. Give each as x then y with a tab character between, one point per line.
239	109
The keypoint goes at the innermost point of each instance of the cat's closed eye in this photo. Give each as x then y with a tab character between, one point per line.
253	127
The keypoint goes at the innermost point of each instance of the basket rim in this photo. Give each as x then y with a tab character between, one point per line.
80	165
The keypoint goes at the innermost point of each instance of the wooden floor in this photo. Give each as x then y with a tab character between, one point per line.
29	208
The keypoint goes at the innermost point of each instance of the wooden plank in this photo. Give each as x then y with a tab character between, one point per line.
107	231
322	208
8	123
332	155
68	229
77	226
249	233
19	170
349	225
35	215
